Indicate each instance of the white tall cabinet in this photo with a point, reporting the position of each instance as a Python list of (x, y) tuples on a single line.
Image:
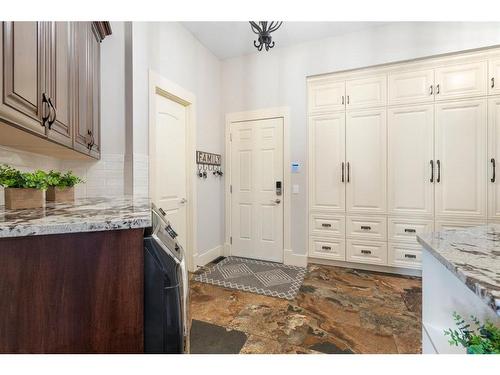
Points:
[(399, 150)]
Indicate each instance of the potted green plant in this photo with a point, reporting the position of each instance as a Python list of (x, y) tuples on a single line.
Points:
[(22, 189), (484, 338), (61, 187)]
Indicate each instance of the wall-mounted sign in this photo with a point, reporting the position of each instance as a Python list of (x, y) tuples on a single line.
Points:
[(208, 158)]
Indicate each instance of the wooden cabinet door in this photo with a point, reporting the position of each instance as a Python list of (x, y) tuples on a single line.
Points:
[(326, 95), (327, 162), (60, 82), (461, 80), (86, 98), (411, 87), (366, 92), (493, 158), (494, 76), (366, 161), (21, 79), (410, 135), (460, 153)]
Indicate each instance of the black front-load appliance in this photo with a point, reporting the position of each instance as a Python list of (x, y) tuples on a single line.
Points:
[(166, 326)]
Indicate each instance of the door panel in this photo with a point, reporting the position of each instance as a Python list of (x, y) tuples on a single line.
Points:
[(366, 161), (169, 163), (460, 149), (366, 92), (410, 151), (60, 82), (411, 87), (493, 153), (326, 96), (327, 150), (22, 74), (256, 209), (463, 80)]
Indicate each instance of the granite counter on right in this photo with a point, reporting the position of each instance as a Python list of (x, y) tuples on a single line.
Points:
[(460, 273)]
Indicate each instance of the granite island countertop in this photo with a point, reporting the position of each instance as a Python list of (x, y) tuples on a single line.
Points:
[(82, 215), (473, 255)]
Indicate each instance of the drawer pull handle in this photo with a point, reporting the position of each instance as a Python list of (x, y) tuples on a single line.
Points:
[(326, 247), (366, 251), (411, 256), (325, 225), (366, 227), (410, 230)]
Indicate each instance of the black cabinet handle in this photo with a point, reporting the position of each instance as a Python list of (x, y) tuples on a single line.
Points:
[(45, 104), (431, 90), (411, 256), (91, 143), (439, 171), (348, 172), (437, 89), (432, 170), (342, 99), (342, 178), (366, 227), (410, 230), (326, 247), (366, 252), (325, 225), (55, 113), (493, 163), (347, 99), (492, 82)]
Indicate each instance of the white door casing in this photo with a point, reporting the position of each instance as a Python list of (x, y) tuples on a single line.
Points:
[(460, 153), (327, 162), (410, 160), (366, 161), (256, 209)]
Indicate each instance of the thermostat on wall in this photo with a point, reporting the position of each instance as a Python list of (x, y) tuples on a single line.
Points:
[(295, 167)]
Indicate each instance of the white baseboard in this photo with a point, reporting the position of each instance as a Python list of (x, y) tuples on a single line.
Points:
[(292, 259), (201, 260), (367, 267)]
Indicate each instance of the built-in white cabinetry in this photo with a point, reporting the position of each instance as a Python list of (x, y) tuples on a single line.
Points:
[(460, 153), (366, 161), (400, 150), (411, 87)]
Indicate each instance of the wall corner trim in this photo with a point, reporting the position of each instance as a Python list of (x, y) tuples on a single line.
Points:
[(292, 259), (201, 260)]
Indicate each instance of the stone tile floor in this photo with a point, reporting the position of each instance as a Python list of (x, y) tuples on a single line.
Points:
[(338, 310)]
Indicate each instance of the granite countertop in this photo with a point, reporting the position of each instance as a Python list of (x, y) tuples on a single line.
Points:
[(473, 255), (82, 215)]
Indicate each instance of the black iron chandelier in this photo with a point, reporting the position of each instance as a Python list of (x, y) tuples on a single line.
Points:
[(264, 29)]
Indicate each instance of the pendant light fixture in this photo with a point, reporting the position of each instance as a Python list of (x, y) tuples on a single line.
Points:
[(264, 29)]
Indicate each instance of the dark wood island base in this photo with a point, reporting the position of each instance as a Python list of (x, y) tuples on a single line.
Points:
[(72, 293)]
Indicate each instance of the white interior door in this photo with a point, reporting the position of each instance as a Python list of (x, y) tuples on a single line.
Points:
[(168, 164), (256, 208), (366, 159), (327, 162), (410, 134), (461, 160)]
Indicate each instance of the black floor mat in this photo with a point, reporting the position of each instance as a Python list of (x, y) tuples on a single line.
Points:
[(207, 338)]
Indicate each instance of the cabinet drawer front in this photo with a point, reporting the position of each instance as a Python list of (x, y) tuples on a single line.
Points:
[(327, 248), (407, 230), (411, 87), (367, 227), (366, 252), (326, 95), (325, 225), (404, 255), (462, 80)]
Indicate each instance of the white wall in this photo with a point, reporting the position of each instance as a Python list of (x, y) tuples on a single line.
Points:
[(278, 78), (173, 52)]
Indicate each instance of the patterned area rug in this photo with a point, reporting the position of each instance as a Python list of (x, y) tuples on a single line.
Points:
[(256, 276)]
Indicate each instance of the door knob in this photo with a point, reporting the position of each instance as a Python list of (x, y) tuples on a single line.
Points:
[(183, 200), (277, 201)]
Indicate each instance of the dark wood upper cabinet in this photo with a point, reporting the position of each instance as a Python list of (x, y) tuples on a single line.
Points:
[(50, 84), (22, 71)]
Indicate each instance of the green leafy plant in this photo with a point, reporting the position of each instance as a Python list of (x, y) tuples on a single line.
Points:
[(481, 339), (14, 178), (58, 179)]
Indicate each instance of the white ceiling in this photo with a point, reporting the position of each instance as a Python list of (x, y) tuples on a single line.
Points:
[(231, 39)]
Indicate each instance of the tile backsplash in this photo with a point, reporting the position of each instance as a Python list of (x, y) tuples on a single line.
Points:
[(102, 177)]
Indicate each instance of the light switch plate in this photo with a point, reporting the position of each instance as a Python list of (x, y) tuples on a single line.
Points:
[(295, 189)]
